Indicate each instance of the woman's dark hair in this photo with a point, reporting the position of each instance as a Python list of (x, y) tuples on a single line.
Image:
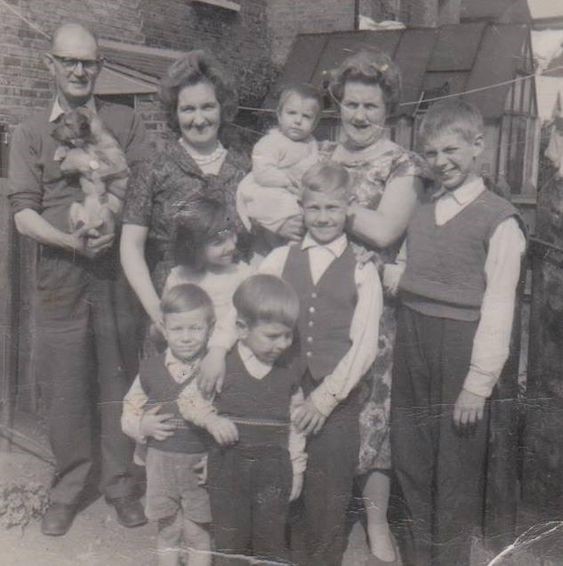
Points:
[(371, 67), (193, 68), (204, 221)]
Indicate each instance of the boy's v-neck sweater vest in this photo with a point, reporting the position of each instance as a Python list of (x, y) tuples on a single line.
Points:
[(445, 273), (326, 309), (259, 407), (162, 390)]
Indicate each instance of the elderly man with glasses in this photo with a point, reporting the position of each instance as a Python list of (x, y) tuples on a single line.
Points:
[(87, 319)]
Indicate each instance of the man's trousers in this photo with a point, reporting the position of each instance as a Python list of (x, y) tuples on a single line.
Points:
[(88, 328)]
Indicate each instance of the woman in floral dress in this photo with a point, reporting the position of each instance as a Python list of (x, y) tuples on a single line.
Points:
[(388, 183), (199, 98)]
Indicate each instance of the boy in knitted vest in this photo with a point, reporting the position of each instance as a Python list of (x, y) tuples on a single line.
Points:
[(256, 468), (175, 448), (464, 249), (341, 303)]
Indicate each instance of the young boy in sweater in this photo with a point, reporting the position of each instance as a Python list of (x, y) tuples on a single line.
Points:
[(257, 465), (338, 326), (464, 249), (175, 498)]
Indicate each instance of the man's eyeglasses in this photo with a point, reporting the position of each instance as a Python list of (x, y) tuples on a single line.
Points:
[(69, 63)]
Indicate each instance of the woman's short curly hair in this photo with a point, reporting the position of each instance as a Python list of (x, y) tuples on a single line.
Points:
[(193, 68), (372, 67)]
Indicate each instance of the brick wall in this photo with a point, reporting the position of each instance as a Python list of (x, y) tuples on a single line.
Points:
[(287, 18), (150, 110), (240, 40), (247, 42), (25, 83)]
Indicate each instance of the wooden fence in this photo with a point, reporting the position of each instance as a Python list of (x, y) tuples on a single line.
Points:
[(17, 277)]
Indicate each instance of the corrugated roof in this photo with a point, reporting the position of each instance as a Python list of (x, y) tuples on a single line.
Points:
[(114, 79), (456, 47), (150, 61), (412, 58), (304, 58), (341, 45), (466, 56), (499, 58)]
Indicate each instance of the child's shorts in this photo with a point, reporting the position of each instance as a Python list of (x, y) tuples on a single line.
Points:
[(172, 485)]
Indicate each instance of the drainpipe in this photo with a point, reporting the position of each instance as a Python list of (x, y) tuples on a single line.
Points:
[(356, 15)]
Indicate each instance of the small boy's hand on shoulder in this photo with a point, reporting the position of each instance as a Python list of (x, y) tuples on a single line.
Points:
[(223, 430), (296, 486), (156, 425), (468, 411), (307, 418)]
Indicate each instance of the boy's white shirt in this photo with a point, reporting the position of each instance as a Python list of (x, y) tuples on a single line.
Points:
[(502, 271), (364, 328), (198, 410)]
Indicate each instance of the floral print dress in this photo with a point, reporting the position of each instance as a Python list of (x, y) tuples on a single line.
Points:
[(167, 185), (372, 169)]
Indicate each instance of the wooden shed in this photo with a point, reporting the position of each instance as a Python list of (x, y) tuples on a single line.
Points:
[(490, 65)]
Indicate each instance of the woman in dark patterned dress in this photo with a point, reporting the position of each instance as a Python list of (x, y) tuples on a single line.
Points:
[(199, 98), (388, 182)]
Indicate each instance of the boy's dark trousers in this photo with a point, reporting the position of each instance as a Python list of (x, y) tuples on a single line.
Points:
[(87, 355), (249, 489), (319, 535), (440, 472)]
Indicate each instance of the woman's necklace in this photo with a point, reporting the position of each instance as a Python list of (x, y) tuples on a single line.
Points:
[(200, 159)]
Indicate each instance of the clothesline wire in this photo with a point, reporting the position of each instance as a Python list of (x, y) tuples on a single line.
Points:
[(433, 99)]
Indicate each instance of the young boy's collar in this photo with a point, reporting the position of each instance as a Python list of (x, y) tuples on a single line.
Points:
[(463, 194), (337, 246), (255, 367), (171, 360)]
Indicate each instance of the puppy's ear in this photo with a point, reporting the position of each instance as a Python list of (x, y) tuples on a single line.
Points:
[(57, 133)]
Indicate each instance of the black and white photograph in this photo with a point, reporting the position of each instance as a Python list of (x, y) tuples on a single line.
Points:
[(281, 282)]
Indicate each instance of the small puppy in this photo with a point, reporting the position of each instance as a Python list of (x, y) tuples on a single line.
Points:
[(90, 151)]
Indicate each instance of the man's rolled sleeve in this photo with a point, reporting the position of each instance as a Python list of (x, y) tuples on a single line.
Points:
[(25, 189)]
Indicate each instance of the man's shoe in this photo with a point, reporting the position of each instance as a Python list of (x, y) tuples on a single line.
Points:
[(57, 519), (129, 511)]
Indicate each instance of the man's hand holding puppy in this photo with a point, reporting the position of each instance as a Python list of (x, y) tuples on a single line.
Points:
[(88, 241)]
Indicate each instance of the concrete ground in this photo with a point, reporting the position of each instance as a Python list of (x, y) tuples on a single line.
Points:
[(96, 539)]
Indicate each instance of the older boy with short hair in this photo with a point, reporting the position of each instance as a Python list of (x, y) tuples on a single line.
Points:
[(338, 326), (458, 291)]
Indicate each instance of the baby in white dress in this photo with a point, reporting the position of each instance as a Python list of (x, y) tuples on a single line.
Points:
[(271, 192)]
